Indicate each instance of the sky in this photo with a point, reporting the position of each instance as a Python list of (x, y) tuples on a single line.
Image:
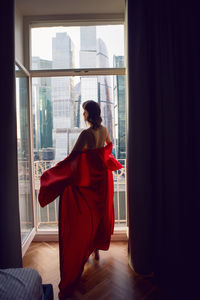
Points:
[(112, 35)]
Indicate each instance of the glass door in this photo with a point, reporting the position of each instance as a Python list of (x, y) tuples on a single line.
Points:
[(24, 157)]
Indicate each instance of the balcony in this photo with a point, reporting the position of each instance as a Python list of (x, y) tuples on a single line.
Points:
[(47, 217)]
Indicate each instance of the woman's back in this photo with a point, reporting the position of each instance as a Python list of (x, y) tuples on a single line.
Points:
[(96, 137), (92, 139)]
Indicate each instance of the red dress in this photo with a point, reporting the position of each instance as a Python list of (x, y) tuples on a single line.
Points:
[(84, 182)]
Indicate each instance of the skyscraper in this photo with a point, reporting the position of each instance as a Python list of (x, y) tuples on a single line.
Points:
[(88, 53), (119, 106), (62, 94), (42, 106), (104, 88), (94, 54), (77, 103), (88, 47)]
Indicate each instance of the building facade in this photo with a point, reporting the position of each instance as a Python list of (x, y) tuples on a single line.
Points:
[(62, 94), (120, 109), (42, 108), (94, 54)]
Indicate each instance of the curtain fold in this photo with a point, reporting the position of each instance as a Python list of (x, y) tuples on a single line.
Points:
[(163, 136)]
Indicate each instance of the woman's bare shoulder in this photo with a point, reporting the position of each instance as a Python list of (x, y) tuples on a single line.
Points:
[(87, 132), (84, 132), (81, 141), (104, 129)]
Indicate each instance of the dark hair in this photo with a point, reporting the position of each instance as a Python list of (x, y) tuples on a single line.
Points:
[(94, 113)]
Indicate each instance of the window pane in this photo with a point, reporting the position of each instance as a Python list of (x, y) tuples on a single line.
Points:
[(24, 174), (58, 121), (77, 47)]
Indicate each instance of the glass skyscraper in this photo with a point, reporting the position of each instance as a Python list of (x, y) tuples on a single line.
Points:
[(119, 107), (62, 94), (94, 54), (42, 107)]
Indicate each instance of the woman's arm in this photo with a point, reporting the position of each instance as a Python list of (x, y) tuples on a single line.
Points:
[(81, 141), (108, 139)]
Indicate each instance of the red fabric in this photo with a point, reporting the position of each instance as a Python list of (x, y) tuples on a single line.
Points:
[(84, 181)]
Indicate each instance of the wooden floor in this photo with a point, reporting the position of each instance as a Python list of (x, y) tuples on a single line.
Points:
[(110, 278)]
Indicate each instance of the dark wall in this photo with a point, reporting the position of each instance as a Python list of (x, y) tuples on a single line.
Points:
[(10, 240)]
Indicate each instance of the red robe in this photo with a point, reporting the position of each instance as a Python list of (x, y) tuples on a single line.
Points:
[(84, 182)]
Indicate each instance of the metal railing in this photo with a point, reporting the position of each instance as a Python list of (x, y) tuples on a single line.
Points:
[(47, 217)]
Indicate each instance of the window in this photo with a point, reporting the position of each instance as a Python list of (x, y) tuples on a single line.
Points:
[(67, 64)]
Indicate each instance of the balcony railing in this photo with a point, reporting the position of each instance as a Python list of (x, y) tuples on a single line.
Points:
[(47, 217)]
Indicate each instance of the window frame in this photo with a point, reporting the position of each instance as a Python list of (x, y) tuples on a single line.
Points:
[(67, 20)]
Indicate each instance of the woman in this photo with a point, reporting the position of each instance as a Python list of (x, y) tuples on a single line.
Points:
[(96, 135), (84, 183)]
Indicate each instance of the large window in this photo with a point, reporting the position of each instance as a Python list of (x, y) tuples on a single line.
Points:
[(57, 99)]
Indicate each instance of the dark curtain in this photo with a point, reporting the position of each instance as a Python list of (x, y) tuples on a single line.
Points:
[(164, 137), (10, 240)]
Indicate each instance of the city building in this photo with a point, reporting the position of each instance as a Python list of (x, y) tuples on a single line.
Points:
[(42, 107), (94, 54), (77, 104), (88, 54), (62, 94), (120, 109)]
